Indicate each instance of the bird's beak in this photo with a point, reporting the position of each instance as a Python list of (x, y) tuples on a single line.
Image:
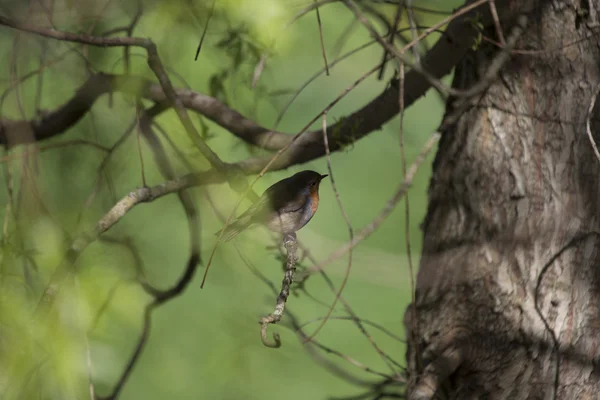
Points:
[(324, 176)]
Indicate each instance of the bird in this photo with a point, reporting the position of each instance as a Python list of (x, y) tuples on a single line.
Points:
[(285, 207)]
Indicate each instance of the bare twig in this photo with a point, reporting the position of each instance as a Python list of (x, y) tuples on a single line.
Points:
[(291, 247), (497, 25), (322, 41), (588, 125), (391, 38), (208, 18), (412, 23), (138, 109)]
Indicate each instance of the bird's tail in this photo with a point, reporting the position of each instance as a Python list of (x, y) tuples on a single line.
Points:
[(234, 229)]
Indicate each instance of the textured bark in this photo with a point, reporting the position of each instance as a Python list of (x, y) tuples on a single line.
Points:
[(509, 283)]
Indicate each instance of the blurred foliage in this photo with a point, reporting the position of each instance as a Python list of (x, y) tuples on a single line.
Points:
[(204, 344)]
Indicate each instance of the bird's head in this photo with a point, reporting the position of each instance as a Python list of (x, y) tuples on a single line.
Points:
[(308, 179)]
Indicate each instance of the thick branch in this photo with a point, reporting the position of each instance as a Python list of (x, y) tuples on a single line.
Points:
[(155, 65), (438, 62)]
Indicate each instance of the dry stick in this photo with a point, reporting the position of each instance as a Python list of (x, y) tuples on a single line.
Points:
[(412, 23), (139, 143), (210, 14), (291, 247), (497, 25), (309, 8), (391, 38), (350, 233), (274, 158), (588, 125), (322, 41)]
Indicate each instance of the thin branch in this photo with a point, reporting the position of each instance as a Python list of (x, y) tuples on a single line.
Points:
[(322, 41), (588, 125), (291, 247), (208, 18), (391, 38), (497, 25)]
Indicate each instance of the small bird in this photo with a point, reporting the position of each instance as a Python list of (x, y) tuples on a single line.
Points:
[(285, 207)]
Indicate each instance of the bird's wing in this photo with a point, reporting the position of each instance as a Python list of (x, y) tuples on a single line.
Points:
[(285, 198), (279, 198)]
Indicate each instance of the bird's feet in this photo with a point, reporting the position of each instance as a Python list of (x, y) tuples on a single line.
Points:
[(289, 237)]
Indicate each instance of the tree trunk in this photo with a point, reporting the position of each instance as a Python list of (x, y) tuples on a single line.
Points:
[(508, 291)]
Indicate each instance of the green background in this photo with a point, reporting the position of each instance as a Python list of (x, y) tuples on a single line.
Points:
[(205, 343)]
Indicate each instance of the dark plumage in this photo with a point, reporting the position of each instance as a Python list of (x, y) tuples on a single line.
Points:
[(285, 207)]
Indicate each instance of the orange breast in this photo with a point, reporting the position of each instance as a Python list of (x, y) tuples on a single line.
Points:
[(315, 201)]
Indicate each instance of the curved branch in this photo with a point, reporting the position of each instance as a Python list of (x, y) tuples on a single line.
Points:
[(438, 62)]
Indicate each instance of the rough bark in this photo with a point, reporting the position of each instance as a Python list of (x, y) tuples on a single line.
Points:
[(508, 288)]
